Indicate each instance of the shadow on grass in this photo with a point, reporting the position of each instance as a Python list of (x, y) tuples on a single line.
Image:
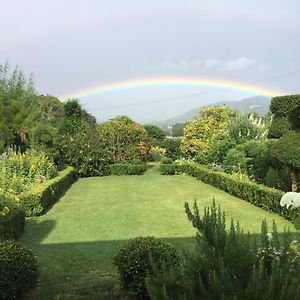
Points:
[(82, 270)]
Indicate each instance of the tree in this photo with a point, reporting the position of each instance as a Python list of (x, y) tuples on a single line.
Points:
[(178, 129), (200, 134), (155, 133), (287, 151), (124, 139), (285, 126)]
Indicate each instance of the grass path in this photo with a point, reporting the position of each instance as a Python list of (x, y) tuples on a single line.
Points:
[(77, 239)]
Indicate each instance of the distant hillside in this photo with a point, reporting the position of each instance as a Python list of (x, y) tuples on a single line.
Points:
[(258, 104)]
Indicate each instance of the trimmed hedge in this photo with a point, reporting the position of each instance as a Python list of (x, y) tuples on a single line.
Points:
[(128, 169), (42, 196), (12, 219), (257, 194)]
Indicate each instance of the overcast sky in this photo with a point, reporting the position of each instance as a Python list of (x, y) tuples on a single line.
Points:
[(71, 45)]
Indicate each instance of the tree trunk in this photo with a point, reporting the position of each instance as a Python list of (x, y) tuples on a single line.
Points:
[(294, 180)]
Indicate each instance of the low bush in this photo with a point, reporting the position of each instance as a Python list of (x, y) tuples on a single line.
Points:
[(128, 169), (12, 219), (167, 161), (257, 194), (18, 270), (40, 197), (136, 161), (167, 169), (137, 258)]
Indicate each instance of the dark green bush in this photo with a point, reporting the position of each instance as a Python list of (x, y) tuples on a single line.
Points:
[(136, 259), (167, 161), (42, 196), (18, 270), (227, 264), (279, 127), (136, 161), (12, 219), (172, 147), (167, 169), (257, 194), (272, 178), (128, 169), (136, 169)]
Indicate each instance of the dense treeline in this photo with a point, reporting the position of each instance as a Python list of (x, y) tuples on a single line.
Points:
[(265, 150)]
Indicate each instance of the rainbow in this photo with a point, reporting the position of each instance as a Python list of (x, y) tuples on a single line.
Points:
[(170, 81)]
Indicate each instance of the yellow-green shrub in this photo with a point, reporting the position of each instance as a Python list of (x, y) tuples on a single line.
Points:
[(19, 171)]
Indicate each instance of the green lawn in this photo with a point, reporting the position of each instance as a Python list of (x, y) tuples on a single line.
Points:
[(77, 239)]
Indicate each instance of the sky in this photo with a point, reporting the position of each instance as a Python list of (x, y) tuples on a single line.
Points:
[(71, 46)]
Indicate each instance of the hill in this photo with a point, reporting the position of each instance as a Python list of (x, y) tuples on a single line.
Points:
[(258, 104)]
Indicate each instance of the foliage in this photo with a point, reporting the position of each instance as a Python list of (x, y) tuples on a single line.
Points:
[(16, 99), (235, 161), (156, 153), (280, 126), (79, 144), (40, 197), (12, 219), (167, 161), (243, 128), (285, 105), (172, 148), (18, 270), (178, 129), (272, 178), (200, 134), (128, 169), (287, 149), (257, 194), (155, 133), (19, 171), (227, 264), (136, 259), (124, 139), (167, 169)]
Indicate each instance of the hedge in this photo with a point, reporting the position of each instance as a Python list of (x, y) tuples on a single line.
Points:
[(12, 219), (128, 169), (40, 197), (256, 194)]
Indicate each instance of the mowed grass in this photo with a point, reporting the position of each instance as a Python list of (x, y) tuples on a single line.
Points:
[(76, 240)]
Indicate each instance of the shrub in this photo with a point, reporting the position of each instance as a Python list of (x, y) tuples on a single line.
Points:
[(12, 219), (136, 259), (136, 161), (167, 169), (19, 171), (40, 197), (272, 178), (18, 270), (128, 169), (227, 264), (136, 169), (167, 161), (257, 194), (172, 148)]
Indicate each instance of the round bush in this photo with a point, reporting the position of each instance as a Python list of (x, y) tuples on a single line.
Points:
[(136, 161), (167, 161), (18, 270), (137, 257)]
